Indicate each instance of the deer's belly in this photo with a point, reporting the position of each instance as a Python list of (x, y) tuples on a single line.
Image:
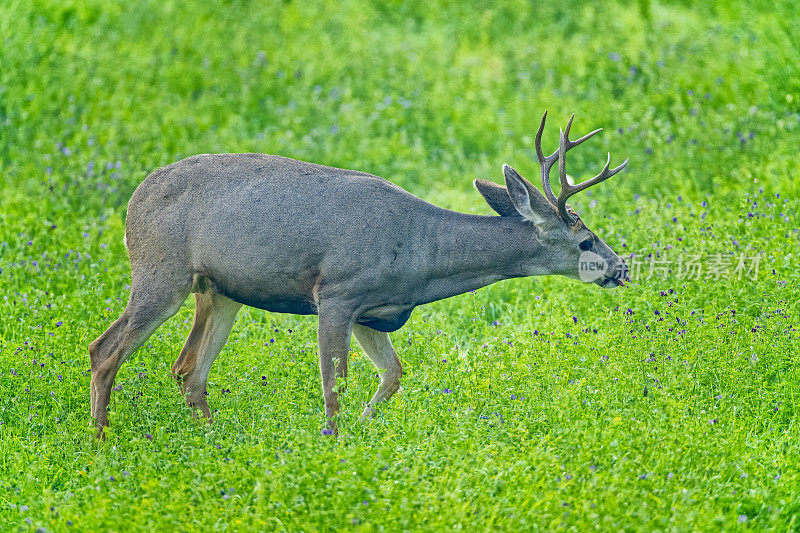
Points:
[(387, 319), (279, 305), (298, 305)]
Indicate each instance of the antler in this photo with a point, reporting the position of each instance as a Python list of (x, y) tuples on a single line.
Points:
[(568, 190), (546, 163), (560, 155)]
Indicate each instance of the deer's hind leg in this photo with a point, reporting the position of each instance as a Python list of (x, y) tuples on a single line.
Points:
[(333, 336), (378, 347), (213, 319), (151, 302)]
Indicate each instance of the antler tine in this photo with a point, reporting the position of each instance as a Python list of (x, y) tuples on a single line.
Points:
[(545, 163), (604, 175), (573, 144), (569, 125), (538, 141)]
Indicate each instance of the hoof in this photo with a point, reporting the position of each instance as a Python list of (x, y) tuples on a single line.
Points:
[(100, 434)]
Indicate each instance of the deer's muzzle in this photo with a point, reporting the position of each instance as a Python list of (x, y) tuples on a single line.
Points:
[(616, 276)]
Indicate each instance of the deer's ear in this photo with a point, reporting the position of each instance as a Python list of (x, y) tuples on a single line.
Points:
[(497, 197), (526, 198)]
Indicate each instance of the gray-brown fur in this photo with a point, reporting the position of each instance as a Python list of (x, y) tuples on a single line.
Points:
[(289, 236)]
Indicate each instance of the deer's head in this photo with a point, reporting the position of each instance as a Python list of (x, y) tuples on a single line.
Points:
[(570, 248)]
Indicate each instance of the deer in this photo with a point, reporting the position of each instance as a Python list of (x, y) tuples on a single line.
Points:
[(354, 249)]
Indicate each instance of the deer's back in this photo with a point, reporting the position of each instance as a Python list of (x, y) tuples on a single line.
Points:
[(267, 227)]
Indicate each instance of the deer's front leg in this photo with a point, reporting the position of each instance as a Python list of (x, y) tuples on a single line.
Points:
[(333, 336)]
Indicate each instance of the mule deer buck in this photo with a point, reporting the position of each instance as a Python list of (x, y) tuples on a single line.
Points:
[(352, 248)]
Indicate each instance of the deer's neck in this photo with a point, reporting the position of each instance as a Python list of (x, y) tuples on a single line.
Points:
[(469, 251)]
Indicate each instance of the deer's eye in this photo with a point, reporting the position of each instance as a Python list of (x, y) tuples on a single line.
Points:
[(586, 245)]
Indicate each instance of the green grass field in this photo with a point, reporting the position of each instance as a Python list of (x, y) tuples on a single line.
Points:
[(533, 404)]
